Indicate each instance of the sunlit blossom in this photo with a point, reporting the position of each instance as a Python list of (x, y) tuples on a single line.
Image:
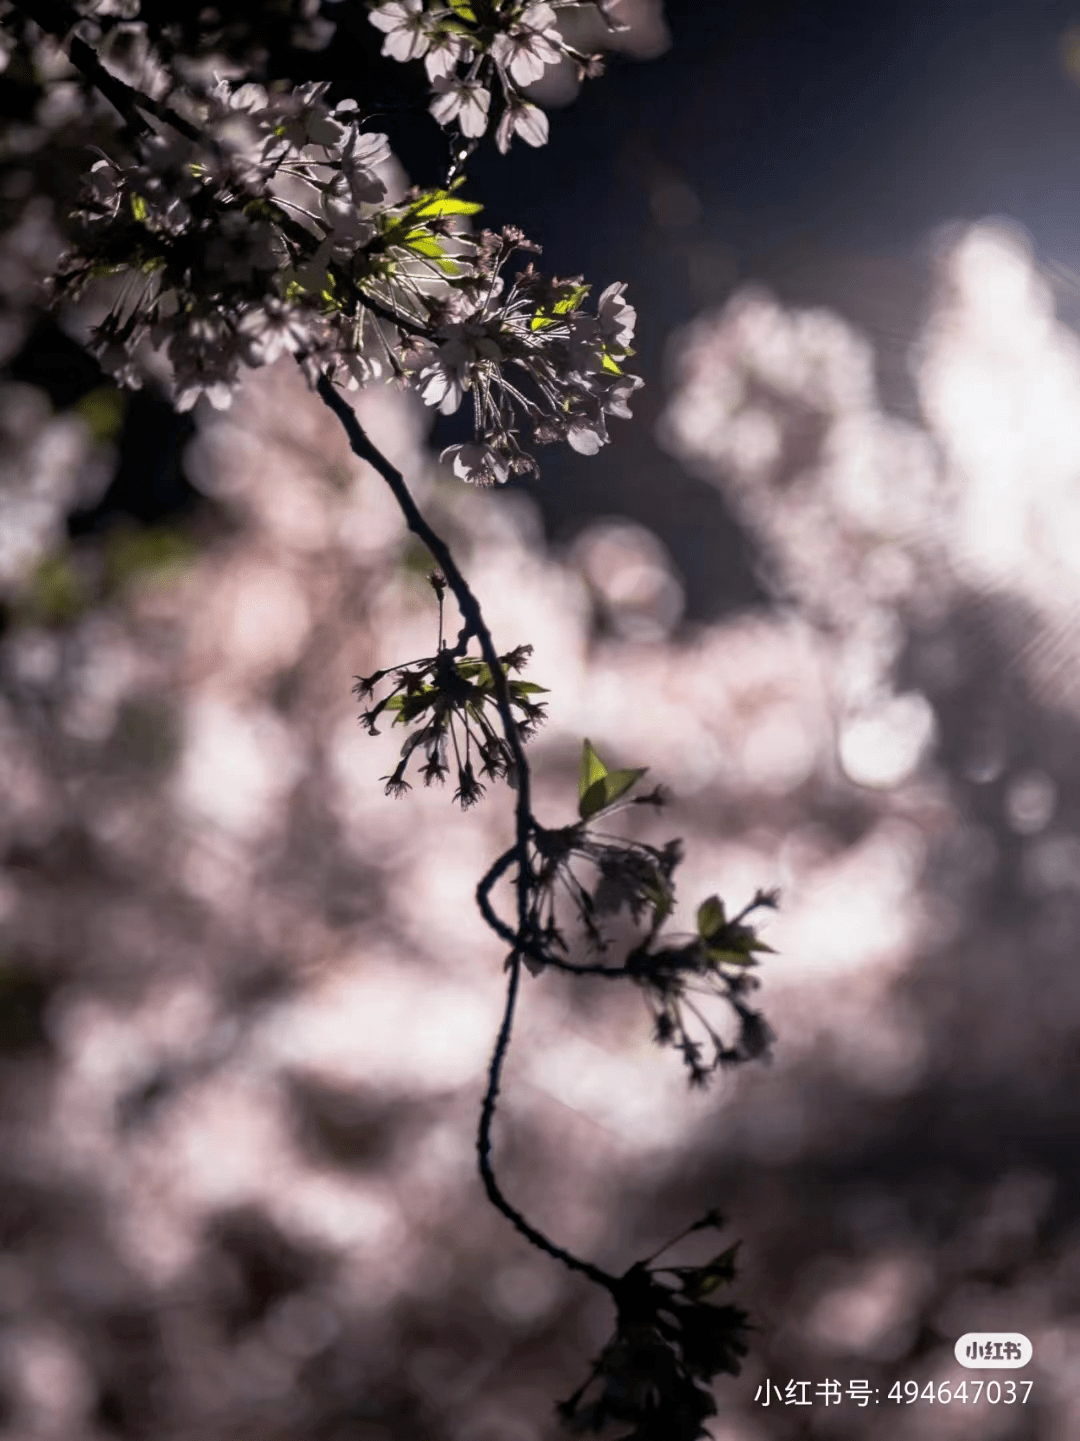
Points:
[(530, 47), (521, 118), (479, 464), (465, 101), (406, 28)]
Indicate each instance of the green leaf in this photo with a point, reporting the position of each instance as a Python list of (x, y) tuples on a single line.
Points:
[(138, 208), (711, 918), (609, 364), (477, 671), (421, 242), (593, 769), (606, 791), (701, 1281), (528, 687), (463, 9), (730, 958), (571, 301), (440, 202), (543, 318)]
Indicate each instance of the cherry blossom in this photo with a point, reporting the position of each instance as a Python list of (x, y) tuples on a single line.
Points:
[(530, 47), (463, 101), (521, 118), (406, 27)]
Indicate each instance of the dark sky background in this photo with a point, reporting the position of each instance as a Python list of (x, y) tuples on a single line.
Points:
[(826, 144)]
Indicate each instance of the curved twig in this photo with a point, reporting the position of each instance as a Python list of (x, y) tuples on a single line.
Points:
[(476, 626), (483, 1147)]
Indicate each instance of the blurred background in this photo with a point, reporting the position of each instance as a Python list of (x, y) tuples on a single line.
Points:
[(826, 585)]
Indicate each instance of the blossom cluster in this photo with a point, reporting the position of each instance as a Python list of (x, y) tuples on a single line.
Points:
[(470, 48), (223, 238), (268, 229), (528, 353)]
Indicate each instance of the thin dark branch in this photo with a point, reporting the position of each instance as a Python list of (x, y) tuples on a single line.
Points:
[(528, 948), (483, 898), (384, 312), (471, 614), (483, 1147), (59, 21), (476, 626), (611, 973)]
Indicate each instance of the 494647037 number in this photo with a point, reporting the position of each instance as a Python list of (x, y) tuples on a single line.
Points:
[(1007, 1393)]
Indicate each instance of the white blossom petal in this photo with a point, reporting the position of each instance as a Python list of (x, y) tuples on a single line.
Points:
[(465, 101), (406, 28), (521, 118), (587, 436), (477, 463), (525, 54), (445, 54), (617, 318)]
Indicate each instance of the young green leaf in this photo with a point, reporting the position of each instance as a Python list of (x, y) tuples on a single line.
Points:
[(606, 791), (421, 242), (711, 918), (572, 301), (701, 1281), (592, 769), (441, 203), (724, 957)]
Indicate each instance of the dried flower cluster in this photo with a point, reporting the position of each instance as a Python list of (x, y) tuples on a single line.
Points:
[(451, 701), (670, 1342)]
